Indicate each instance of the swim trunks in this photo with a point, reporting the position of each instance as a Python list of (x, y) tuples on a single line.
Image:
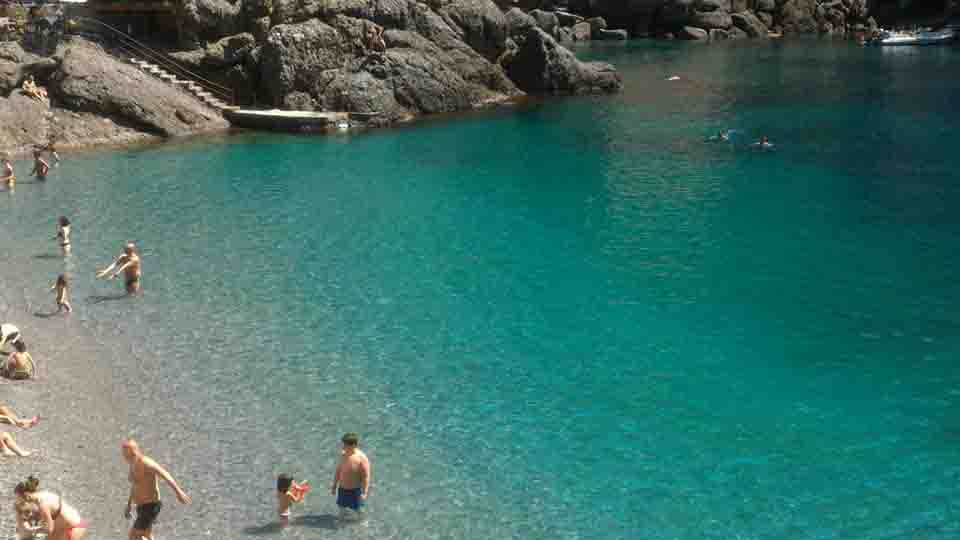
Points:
[(146, 515), (349, 498)]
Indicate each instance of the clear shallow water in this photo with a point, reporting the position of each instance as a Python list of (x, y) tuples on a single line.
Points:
[(570, 320)]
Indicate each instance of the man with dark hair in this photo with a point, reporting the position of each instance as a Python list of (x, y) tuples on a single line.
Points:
[(351, 480)]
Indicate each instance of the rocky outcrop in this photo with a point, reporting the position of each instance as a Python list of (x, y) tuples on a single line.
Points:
[(17, 64), (89, 80), (540, 65), (757, 18), (201, 20)]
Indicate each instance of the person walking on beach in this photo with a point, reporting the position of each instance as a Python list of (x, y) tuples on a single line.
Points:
[(351, 480), (63, 235), (145, 490), (62, 287), (60, 520), (129, 263)]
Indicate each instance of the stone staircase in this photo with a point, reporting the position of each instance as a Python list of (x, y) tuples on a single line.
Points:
[(198, 91)]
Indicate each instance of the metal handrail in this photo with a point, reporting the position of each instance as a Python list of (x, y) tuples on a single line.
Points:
[(128, 43)]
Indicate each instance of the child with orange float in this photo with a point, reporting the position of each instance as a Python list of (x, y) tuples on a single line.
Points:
[(288, 493)]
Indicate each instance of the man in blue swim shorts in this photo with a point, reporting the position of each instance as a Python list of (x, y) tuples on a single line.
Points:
[(351, 481)]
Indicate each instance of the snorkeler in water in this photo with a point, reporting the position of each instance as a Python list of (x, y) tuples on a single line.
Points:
[(721, 136)]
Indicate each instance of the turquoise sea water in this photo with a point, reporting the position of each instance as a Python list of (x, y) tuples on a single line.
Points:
[(571, 319)]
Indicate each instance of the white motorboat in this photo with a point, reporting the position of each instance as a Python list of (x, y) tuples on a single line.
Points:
[(921, 37)]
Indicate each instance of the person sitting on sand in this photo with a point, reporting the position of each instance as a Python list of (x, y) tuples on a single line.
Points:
[(60, 520), (288, 493), (129, 263), (7, 416), (9, 447), (9, 334), (6, 174), (19, 364), (62, 287), (40, 167), (63, 235)]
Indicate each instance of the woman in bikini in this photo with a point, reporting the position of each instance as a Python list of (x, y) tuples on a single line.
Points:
[(63, 235), (60, 520)]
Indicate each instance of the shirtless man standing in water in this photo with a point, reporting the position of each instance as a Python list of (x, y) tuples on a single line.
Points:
[(145, 491), (129, 263), (351, 481)]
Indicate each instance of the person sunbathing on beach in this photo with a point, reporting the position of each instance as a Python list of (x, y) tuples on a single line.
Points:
[(129, 263), (6, 175), (59, 520), (351, 480), (7, 416), (19, 364), (40, 166), (63, 235), (288, 493), (9, 447), (62, 287), (9, 334), (145, 490)]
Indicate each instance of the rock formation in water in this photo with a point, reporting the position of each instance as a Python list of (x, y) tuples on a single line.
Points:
[(400, 58)]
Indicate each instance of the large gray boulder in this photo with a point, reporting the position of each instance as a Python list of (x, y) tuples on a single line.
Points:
[(17, 64), (749, 23), (711, 19), (481, 25), (769, 6), (206, 20), (90, 80), (799, 17), (542, 66), (546, 20), (518, 22), (227, 52), (296, 55)]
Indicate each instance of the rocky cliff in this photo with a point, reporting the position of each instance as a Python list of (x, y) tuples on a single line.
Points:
[(400, 58), (93, 98)]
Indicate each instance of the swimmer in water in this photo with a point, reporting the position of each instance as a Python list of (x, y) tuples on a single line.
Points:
[(288, 493), (763, 144), (721, 136), (129, 263), (40, 166), (63, 235), (62, 287), (6, 175)]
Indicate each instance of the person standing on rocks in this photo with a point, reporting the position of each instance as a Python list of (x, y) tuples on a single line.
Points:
[(351, 480), (145, 490), (129, 263)]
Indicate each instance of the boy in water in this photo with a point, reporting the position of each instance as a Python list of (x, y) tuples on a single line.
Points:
[(40, 166), (351, 480), (288, 493)]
